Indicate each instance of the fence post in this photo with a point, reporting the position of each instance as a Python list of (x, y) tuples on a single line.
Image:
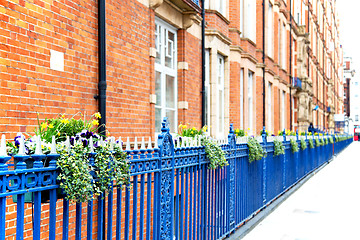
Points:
[(231, 154), (166, 190), (4, 157), (264, 138), (284, 161)]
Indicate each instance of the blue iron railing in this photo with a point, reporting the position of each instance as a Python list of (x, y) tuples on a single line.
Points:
[(173, 193)]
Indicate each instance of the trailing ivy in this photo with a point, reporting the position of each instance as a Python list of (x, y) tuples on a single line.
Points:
[(256, 151), (303, 144), (326, 141), (75, 177), (311, 143), (109, 167), (317, 142), (214, 153), (322, 142), (331, 140), (294, 146), (278, 148)]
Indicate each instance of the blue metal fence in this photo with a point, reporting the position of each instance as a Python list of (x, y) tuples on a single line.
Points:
[(173, 193)]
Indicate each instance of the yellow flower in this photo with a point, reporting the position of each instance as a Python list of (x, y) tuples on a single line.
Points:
[(95, 122), (184, 126), (97, 115), (58, 133), (205, 128), (43, 125), (63, 116), (194, 128), (51, 125), (192, 132), (64, 121)]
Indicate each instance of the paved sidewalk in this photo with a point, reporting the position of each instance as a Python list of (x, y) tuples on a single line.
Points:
[(326, 207)]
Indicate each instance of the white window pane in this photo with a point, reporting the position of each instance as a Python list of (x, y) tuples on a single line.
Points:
[(158, 43), (158, 88), (221, 110), (158, 119), (170, 91), (170, 114)]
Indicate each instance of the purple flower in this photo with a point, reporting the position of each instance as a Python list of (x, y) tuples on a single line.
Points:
[(84, 142)]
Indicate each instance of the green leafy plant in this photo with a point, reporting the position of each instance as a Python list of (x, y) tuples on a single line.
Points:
[(311, 143), (331, 140), (256, 151), (213, 150), (61, 127), (326, 140), (303, 144), (214, 153), (278, 148), (239, 132), (110, 166), (184, 131), (294, 145), (75, 173), (322, 142), (317, 142)]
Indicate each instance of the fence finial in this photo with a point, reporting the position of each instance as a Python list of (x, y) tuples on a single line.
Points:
[(3, 152), (128, 148), (22, 145), (143, 144), (178, 142), (263, 134), (165, 125), (38, 150), (91, 143), (136, 144), (149, 144), (67, 143), (231, 131), (120, 143)]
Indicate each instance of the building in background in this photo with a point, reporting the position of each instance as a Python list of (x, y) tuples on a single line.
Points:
[(351, 96), (272, 63)]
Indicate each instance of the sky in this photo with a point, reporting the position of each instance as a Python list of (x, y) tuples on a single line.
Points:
[(349, 25)]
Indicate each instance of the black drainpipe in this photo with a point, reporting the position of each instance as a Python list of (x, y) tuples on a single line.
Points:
[(102, 80), (203, 96), (102, 65), (263, 58), (290, 76)]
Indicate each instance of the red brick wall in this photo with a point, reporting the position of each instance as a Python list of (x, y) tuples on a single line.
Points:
[(189, 81)]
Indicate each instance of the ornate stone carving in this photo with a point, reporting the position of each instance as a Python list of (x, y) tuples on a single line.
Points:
[(155, 3)]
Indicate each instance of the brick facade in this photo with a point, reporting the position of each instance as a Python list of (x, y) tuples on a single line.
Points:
[(29, 30)]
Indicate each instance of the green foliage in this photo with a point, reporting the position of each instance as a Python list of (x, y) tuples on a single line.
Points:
[(213, 150), (184, 131), (239, 132), (303, 144), (75, 177), (75, 171), (311, 143), (256, 151), (278, 148), (322, 142), (317, 142), (61, 127), (294, 145), (214, 153), (109, 167), (331, 140), (326, 141)]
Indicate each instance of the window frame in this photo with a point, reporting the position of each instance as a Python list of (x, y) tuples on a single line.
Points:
[(164, 28)]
